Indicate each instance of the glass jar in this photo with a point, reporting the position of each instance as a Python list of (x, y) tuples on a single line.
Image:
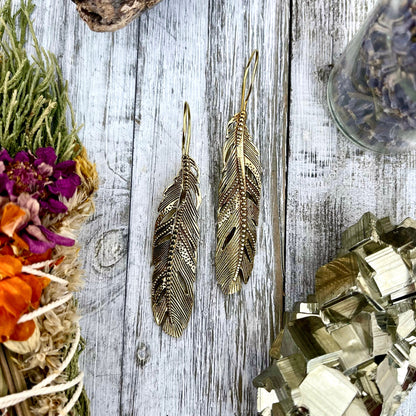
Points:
[(372, 89)]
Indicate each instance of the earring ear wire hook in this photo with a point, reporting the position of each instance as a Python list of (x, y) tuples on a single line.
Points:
[(186, 136), (244, 98)]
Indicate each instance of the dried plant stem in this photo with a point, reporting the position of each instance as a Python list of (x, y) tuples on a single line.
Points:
[(14, 379)]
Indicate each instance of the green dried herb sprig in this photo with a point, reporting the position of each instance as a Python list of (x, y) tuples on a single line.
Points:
[(33, 95)]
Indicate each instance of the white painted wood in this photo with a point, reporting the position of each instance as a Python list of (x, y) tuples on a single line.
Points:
[(128, 90), (101, 72), (331, 182), (200, 57)]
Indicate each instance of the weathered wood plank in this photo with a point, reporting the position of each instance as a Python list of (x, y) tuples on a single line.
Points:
[(197, 51), (331, 183), (101, 70)]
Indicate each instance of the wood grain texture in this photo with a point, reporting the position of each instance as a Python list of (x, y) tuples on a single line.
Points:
[(331, 182), (200, 57), (128, 89), (102, 79)]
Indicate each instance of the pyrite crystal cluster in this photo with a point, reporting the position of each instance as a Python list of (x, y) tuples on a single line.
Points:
[(350, 350)]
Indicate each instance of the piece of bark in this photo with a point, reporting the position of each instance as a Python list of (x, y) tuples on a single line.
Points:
[(111, 15)]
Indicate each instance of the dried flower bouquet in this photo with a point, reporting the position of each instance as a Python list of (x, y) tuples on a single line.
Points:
[(46, 185)]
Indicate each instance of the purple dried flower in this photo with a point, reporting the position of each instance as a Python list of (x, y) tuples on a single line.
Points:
[(40, 186), (45, 155), (40, 239), (40, 177)]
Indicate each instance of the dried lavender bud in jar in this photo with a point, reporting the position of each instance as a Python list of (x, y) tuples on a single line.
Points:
[(372, 90)]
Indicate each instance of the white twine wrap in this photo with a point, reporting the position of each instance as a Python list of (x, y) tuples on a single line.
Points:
[(44, 387), (13, 399), (44, 309), (42, 264), (35, 272)]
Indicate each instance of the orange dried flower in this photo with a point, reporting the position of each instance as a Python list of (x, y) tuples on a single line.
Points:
[(19, 293), (12, 219), (9, 266)]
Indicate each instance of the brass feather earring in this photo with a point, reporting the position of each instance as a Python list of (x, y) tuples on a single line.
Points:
[(239, 198), (175, 244)]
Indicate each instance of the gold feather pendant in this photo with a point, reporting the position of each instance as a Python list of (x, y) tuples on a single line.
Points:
[(175, 244), (239, 199)]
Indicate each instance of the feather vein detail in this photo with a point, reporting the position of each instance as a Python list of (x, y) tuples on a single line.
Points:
[(238, 212), (175, 251)]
